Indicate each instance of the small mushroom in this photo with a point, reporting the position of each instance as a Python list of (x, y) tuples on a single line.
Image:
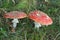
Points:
[(40, 18), (15, 15)]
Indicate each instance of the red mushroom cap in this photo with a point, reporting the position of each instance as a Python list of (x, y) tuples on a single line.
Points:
[(15, 14), (40, 17)]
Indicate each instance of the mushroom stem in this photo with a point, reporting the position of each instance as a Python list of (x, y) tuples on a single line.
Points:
[(37, 25), (15, 21)]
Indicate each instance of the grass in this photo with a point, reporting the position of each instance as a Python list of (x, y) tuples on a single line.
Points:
[(25, 29)]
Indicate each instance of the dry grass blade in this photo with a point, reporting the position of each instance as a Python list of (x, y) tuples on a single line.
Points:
[(56, 36)]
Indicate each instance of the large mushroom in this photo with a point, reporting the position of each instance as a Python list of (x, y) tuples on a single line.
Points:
[(40, 18), (15, 15)]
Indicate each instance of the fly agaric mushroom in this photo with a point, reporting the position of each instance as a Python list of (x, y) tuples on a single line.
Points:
[(15, 15), (40, 18)]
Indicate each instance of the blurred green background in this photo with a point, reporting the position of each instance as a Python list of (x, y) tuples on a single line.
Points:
[(25, 28)]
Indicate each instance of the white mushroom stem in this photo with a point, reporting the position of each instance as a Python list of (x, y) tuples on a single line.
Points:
[(37, 25), (15, 21)]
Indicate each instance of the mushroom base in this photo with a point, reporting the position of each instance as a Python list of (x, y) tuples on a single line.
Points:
[(37, 25), (15, 21)]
